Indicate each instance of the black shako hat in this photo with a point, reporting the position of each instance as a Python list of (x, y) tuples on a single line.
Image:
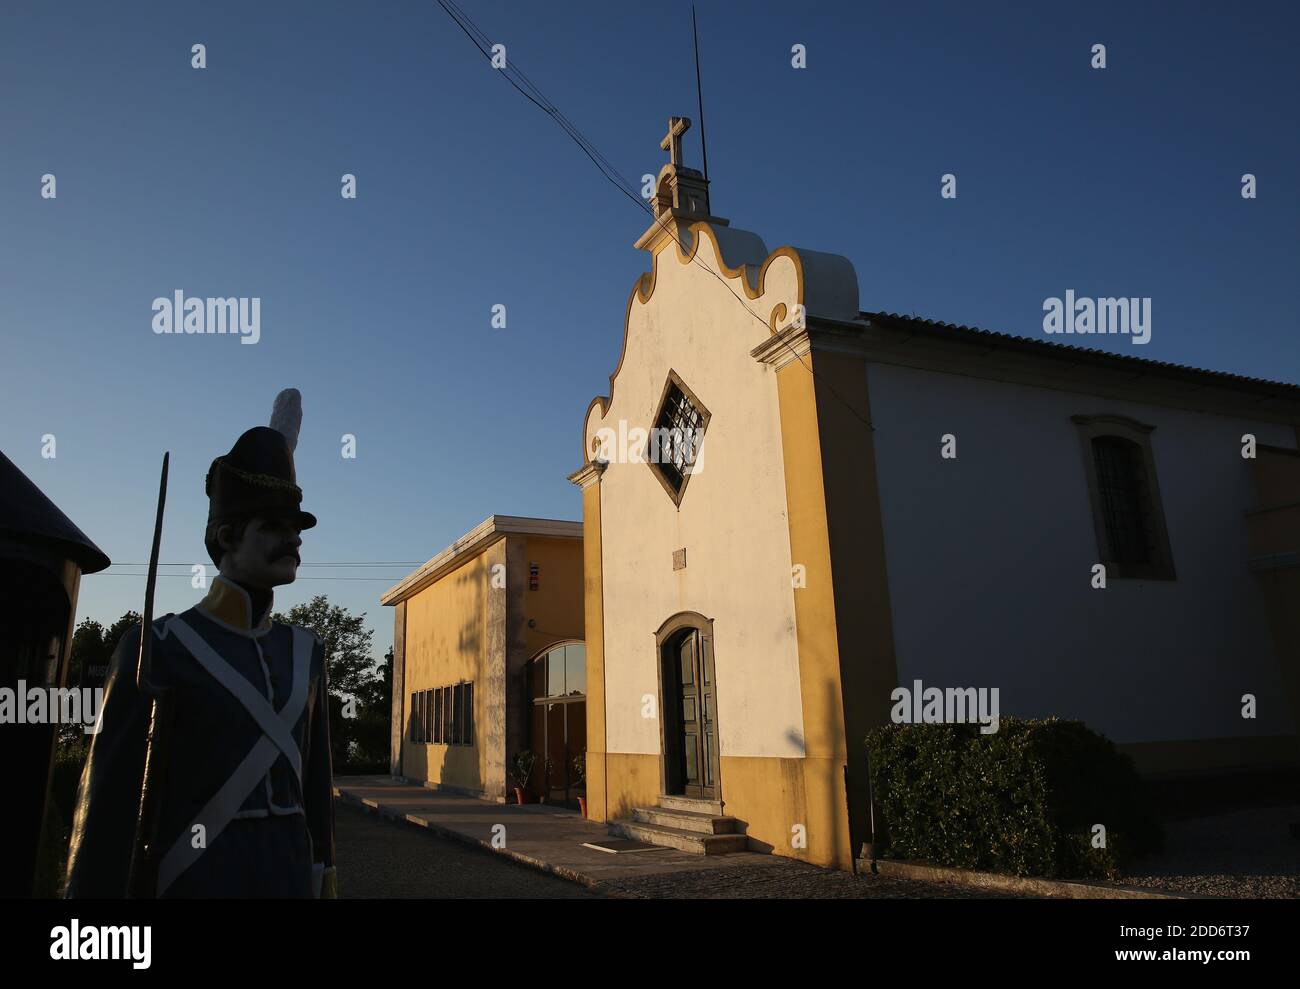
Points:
[(255, 478)]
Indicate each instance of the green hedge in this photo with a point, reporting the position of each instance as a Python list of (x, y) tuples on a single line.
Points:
[(1022, 800)]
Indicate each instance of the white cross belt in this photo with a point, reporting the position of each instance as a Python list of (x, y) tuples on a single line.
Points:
[(276, 740)]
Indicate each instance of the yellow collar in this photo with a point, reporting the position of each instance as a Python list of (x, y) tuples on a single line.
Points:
[(228, 604)]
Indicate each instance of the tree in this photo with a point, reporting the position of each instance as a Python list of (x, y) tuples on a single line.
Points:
[(92, 649), (348, 664), (87, 650), (373, 725)]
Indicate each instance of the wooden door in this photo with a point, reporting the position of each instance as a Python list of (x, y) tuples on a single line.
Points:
[(697, 744)]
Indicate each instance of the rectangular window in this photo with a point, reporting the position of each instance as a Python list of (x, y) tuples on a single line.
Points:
[(437, 715), (457, 713), (415, 718), (575, 668), (555, 673), (469, 714), (446, 715)]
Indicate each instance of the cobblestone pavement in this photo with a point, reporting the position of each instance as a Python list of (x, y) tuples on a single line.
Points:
[(382, 859), (786, 879)]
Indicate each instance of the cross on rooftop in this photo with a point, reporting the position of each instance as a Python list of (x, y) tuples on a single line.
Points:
[(672, 142)]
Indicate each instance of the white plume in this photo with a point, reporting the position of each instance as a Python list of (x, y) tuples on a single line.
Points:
[(286, 415)]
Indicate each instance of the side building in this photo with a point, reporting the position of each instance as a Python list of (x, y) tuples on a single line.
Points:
[(489, 662)]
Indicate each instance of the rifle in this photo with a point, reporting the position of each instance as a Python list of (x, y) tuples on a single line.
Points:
[(142, 882)]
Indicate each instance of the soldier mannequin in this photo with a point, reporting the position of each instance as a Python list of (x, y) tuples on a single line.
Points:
[(246, 800)]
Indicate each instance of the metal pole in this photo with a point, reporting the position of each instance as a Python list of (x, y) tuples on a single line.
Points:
[(699, 93), (142, 879)]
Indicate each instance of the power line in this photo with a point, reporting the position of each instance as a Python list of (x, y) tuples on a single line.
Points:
[(388, 563), (465, 23), (185, 576)]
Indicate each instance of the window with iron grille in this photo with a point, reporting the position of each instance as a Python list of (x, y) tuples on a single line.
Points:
[(1125, 501), (1132, 538), (676, 436)]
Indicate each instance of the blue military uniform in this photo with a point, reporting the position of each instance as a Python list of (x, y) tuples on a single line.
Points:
[(246, 806)]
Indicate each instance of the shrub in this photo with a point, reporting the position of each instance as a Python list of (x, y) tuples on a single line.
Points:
[(1022, 800), (65, 774)]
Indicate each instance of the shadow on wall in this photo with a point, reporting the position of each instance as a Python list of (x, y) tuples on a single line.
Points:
[(639, 786), (455, 766)]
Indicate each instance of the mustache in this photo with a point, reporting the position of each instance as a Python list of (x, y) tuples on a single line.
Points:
[(282, 551)]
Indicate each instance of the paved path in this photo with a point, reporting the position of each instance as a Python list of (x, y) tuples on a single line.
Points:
[(550, 839), (382, 859), (545, 837)]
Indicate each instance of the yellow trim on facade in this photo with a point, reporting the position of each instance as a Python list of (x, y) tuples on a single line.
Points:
[(791, 807), (594, 606), (818, 644), (632, 780), (644, 289)]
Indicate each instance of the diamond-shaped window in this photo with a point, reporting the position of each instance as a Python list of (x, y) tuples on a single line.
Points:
[(676, 436)]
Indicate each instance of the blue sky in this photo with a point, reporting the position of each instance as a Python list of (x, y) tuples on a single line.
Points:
[(225, 182)]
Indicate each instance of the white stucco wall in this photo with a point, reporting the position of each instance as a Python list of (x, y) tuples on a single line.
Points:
[(732, 520), (989, 559)]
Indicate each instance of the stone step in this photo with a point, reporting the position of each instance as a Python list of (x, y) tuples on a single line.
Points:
[(675, 801), (693, 842), (685, 820)]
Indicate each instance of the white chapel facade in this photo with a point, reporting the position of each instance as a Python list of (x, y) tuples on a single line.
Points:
[(749, 614)]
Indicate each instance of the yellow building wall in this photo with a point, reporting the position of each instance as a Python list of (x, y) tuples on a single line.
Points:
[(633, 780), (446, 633), (791, 807), (550, 615), (557, 605), (463, 628)]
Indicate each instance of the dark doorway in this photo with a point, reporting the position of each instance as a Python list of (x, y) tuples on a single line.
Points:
[(690, 715)]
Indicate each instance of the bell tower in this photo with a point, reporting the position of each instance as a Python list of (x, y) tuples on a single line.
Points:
[(681, 194)]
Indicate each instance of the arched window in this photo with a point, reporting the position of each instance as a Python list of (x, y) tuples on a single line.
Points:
[(1132, 540), (559, 673), (557, 722)]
